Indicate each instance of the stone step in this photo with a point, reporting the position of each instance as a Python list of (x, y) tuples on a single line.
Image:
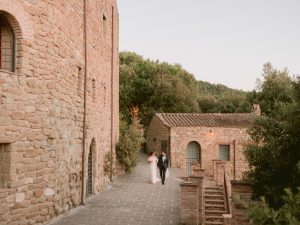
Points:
[(214, 201), (213, 192), (214, 212), (217, 197), (218, 218), (214, 207), (213, 223), (213, 187)]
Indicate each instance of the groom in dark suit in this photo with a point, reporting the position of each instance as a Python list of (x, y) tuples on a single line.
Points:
[(163, 166)]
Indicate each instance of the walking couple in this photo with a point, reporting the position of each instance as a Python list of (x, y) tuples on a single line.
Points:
[(162, 164)]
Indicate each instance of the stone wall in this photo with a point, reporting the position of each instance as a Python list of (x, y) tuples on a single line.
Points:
[(209, 139), (241, 195), (41, 105), (156, 133), (189, 194), (192, 200)]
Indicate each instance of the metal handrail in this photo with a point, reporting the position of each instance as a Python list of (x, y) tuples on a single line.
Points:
[(226, 193)]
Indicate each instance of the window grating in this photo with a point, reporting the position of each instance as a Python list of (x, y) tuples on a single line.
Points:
[(6, 46), (224, 152), (89, 188), (193, 154), (5, 165)]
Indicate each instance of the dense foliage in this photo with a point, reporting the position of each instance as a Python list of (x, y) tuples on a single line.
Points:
[(288, 214), (219, 98), (274, 157), (275, 92), (131, 140), (155, 86)]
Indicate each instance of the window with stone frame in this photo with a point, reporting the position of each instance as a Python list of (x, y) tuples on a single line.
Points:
[(104, 24), (7, 46), (224, 152), (94, 90), (79, 80), (5, 165)]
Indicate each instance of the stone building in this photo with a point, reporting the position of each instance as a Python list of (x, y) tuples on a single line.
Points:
[(204, 137), (58, 104)]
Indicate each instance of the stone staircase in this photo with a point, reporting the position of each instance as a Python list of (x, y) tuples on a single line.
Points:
[(214, 203)]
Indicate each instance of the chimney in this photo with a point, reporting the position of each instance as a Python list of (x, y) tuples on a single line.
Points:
[(256, 109)]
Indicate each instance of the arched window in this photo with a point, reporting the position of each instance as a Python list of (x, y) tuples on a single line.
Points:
[(7, 46), (193, 153)]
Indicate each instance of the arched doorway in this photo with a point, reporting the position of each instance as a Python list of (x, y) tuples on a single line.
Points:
[(192, 154), (90, 168)]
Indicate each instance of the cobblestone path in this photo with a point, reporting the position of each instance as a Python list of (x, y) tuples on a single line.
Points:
[(130, 200)]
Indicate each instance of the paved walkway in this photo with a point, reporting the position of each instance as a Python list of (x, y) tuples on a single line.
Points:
[(130, 200)]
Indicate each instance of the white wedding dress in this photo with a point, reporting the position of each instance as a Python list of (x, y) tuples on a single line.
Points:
[(167, 173), (153, 169)]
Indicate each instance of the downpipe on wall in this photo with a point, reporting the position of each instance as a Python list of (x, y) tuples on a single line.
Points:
[(84, 98)]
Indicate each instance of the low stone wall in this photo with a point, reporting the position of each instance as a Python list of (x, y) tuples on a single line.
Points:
[(192, 198), (241, 193), (189, 203)]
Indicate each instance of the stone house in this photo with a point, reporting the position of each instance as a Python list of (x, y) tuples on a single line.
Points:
[(59, 83), (203, 137)]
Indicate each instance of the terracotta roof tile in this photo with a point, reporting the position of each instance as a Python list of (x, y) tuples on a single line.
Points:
[(206, 119)]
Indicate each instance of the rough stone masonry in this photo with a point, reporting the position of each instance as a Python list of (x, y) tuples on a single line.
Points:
[(58, 99)]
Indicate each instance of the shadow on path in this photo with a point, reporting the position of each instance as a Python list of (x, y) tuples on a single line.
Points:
[(130, 200)]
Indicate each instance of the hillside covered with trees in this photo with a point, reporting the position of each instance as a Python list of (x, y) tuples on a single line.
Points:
[(154, 86)]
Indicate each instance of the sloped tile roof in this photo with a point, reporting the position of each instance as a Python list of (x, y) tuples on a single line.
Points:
[(207, 119)]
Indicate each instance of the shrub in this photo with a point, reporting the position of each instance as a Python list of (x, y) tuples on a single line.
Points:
[(129, 145), (288, 214)]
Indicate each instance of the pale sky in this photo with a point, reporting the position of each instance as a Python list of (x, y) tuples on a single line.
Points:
[(219, 41)]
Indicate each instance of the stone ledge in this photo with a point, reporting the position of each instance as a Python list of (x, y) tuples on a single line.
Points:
[(227, 216), (7, 140), (189, 184), (7, 74), (241, 183)]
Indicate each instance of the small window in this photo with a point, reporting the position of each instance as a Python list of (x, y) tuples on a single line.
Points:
[(7, 46), (5, 164), (104, 24), (224, 152), (94, 90), (79, 79)]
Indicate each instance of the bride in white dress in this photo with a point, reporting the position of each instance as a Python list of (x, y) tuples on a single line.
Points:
[(152, 161)]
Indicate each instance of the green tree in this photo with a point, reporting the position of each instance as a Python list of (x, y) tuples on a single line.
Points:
[(274, 156), (129, 145), (219, 98), (155, 86), (275, 92)]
